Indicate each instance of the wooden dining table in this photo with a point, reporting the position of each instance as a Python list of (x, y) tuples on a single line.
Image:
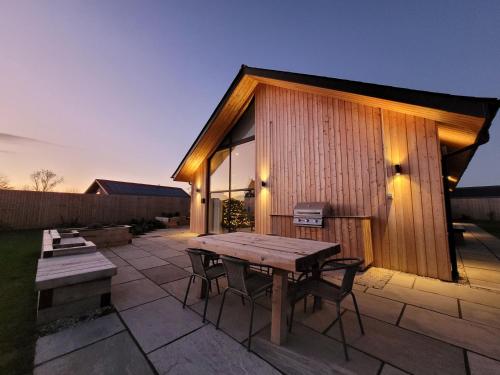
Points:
[(283, 254)]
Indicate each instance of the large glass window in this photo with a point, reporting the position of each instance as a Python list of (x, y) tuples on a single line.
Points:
[(232, 179)]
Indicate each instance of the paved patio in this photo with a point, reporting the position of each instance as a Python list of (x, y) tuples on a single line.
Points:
[(413, 324)]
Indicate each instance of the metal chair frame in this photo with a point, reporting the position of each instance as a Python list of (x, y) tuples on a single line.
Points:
[(200, 271), (242, 289), (344, 290)]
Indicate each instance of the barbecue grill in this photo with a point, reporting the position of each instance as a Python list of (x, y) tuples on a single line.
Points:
[(310, 214)]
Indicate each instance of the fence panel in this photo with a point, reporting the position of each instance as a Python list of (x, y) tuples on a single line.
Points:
[(487, 208), (31, 209)]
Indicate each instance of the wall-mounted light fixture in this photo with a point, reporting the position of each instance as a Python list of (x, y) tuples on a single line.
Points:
[(263, 183), (198, 190), (452, 179), (202, 200), (398, 169)]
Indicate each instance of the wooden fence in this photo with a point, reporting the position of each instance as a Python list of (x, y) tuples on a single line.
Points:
[(30, 209), (487, 208)]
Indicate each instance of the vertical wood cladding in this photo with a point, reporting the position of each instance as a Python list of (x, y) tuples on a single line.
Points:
[(318, 148)]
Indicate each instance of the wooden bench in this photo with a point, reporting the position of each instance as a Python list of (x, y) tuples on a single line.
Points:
[(53, 244), (72, 285)]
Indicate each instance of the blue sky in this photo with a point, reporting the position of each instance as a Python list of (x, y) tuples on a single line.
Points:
[(120, 89)]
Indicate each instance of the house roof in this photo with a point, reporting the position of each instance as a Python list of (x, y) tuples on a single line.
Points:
[(477, 192), (131, 188), (462, 117)]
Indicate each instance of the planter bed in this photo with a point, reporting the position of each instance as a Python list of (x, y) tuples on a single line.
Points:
[(107, 236)]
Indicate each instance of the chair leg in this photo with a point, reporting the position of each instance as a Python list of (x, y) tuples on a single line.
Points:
[(357, 313), (187, 291), (220, 308), (217, 283), (291, 318), (207, 293), (251, 325), (342, 331)]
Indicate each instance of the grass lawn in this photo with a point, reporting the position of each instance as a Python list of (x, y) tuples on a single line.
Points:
[(19, 251), (492, 227)]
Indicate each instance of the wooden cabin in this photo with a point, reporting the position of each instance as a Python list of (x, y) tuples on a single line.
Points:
[(384, 158)]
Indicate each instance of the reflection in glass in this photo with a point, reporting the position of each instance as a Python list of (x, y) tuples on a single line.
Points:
[(243, 166), (242, 211), (219, 171), (216, 209)]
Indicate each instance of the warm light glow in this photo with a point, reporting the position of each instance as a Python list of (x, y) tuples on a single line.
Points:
[(452, 179)]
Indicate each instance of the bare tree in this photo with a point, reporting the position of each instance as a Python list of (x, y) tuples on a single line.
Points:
[(45, 180), (4, 183)]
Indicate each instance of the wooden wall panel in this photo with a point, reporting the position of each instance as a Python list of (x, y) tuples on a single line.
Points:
[(319, 148), (198, 209), (487, 208)]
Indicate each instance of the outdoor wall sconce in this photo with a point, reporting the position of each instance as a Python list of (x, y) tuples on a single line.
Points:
[(398, 169), (263, 183), (198, 190), (202, 200)]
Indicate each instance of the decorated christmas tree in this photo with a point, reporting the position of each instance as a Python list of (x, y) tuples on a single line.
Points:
[(234, 214)]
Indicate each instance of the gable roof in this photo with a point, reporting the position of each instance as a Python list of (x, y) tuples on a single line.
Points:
[(477, 192), (469, 116), (131, 188)]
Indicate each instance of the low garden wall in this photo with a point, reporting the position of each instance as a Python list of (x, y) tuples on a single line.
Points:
[(31, 209)]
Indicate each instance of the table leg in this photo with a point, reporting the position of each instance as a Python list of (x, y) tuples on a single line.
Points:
[(280, 305)]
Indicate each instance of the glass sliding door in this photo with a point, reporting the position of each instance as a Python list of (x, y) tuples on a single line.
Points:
[(232, 179)]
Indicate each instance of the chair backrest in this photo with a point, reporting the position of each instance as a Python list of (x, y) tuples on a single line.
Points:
[(236, 270), (196, 257), (351, 266)]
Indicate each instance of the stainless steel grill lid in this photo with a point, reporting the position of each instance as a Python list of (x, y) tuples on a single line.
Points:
[(310, 214)]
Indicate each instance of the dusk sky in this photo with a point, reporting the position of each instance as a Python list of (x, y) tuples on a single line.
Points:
[(120, 89)]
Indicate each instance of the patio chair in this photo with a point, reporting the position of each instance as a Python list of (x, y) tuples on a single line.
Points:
[(245, 283), (203, 271), (330, 291)]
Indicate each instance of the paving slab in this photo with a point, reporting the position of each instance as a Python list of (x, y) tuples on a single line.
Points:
[(181, 261), (309, 352), (469, 335), (115, 355), (235, 318), (68, 340), (134, 293), (480, 261), (483, 274), (444, 304), (410, 351), (164, 253), (391, 370), (147, 262), (165, 274), (208, 351), (319, 320), (118, 262), (126, 274), (178, 289), (402, 279), (480, 365), (488, 285), (376, 307), (159, 322), (462, 292), (131, 252), (487, 315), (108, 253)]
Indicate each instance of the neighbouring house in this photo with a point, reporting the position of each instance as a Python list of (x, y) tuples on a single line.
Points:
[(384, 158), (109, 187), (476, 203)]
